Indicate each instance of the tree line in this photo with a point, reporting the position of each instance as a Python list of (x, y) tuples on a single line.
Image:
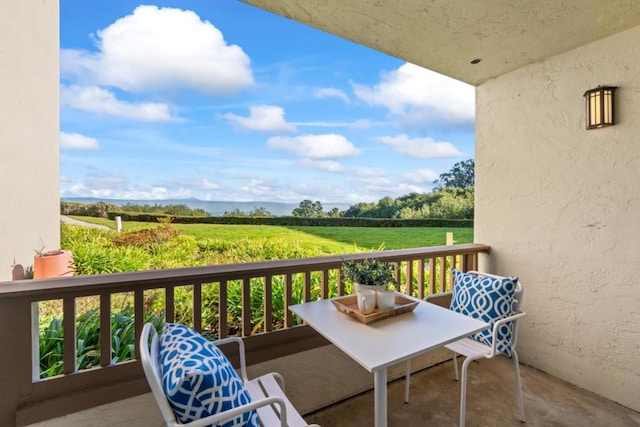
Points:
[(452, 198)]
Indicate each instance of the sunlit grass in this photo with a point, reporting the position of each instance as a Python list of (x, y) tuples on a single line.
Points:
[(330, 240)]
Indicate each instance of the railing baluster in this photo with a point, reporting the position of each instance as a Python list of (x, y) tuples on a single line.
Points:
[(288, 298), (169, 304), (138, 301), (105, 329), (325, 283), (35, 342), (340, 280), (268, 303), (421, 262), (69, 331), (307, 286), (246, 307), (409, 279), (432, 276), (197, 307), (222, 310), (443, 273)]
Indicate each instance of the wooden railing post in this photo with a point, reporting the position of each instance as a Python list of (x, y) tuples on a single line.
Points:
[(15, 369)]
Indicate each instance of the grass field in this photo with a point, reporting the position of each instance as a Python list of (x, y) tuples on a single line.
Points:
[(328, 239)]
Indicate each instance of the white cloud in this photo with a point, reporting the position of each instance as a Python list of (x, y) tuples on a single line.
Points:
[(257, 188), (365, 124), (323, 124), (330, 92), (101, 101), (161, 48), (208, 185), (97, 181), (326, 146), (416, 95), (155, 193), (75, 141), (324, 165), (372, 185), (266, 118), (421, 176), (361, 124), (421, 148)]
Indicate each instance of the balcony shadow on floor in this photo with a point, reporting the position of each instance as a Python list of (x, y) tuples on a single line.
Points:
[(491, 401)]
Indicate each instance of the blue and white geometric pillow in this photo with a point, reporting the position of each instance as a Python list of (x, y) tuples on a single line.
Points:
[(198, 379), (488, 299)]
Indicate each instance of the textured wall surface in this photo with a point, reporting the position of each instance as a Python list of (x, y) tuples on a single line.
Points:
[(29, 123), (445, 35), (560, 207)]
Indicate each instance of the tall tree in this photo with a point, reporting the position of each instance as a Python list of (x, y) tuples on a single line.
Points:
[(334, 213), (461, 175), (309, 209)]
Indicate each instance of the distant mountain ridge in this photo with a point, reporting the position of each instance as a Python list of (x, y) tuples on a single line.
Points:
[(212, 207)]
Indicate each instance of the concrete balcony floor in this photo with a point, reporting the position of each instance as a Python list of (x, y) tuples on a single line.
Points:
[(434, 401), (491, 401)]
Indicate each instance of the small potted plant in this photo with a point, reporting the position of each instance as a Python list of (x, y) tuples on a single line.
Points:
[(370, 273), (55, 263)]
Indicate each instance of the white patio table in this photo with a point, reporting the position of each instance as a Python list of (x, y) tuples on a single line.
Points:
[(378, 345)]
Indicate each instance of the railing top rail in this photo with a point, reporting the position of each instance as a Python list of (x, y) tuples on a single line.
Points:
[(37, 290)]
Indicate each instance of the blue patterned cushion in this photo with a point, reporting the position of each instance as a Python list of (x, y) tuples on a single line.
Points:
[(198, 379), (488, 299)]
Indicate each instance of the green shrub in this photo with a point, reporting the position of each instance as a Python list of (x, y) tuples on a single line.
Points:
[(88, 340), (296, 221)]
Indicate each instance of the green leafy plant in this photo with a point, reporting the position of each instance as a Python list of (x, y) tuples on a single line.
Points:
[(88, 340), (370, 272)]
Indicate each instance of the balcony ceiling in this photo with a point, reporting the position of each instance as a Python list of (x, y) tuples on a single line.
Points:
[(446, 35)]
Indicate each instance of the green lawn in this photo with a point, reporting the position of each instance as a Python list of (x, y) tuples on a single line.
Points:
[(328, 239), (390, 237)]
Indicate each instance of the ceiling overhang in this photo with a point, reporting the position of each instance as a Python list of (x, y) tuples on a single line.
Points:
[(447, 35)]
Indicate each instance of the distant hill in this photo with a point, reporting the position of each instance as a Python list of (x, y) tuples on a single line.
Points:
[(212, 207)]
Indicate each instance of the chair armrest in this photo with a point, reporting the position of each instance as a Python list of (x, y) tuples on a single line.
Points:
[(221, 417), (443, 299), (494, 333), (240, 343)]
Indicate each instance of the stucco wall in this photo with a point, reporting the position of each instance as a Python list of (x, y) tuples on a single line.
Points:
[(560, 207), (29, 123)]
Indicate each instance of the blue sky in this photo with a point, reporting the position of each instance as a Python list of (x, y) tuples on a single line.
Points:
[(219, 100)]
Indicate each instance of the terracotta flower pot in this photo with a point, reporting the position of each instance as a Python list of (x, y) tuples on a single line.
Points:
[(53, 264)]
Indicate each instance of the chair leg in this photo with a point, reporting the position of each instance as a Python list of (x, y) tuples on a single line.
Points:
[(516, 365), (455, 366), (463, 390), (407, 381)]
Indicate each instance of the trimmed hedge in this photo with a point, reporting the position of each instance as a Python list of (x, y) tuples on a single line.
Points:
[(295, 221)]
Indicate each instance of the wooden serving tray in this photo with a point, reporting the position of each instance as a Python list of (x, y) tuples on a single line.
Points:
[(349, 305)]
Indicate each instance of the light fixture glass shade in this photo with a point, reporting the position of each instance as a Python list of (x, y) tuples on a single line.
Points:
[(600, 107)]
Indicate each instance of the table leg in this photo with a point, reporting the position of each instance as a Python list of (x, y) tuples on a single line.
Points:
[(380, 400)]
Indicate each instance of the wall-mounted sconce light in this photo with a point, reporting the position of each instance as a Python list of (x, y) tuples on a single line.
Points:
[(600, 106)]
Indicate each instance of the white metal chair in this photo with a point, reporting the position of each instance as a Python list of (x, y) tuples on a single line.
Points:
[(267, 391), (474, 350)]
